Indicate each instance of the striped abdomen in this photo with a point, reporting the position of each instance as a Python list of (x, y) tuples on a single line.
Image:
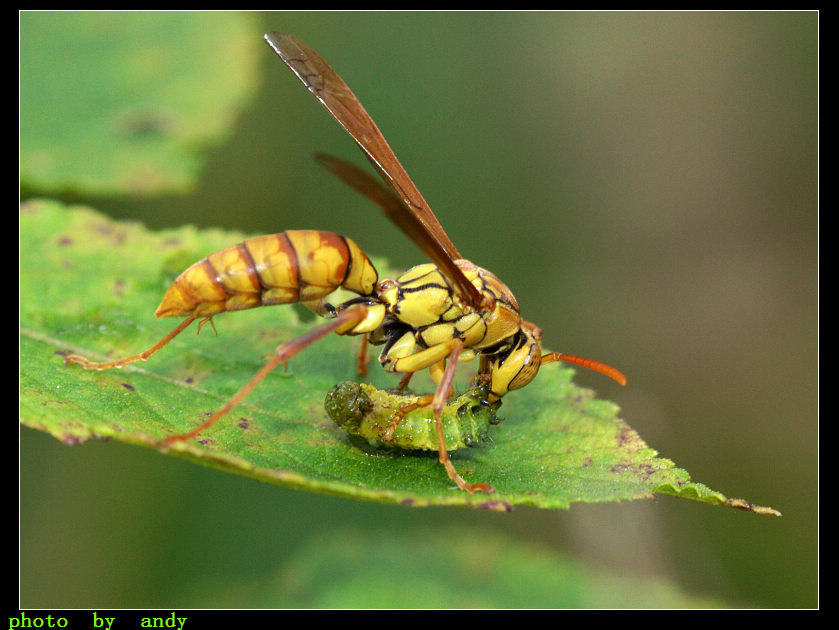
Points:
[(293, 266)]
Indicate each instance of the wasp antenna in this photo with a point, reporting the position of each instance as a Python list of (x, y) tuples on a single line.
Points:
[(591, 364)]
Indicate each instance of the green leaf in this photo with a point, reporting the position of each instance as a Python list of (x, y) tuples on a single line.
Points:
[(441, 568), (128, 102), (90, 286)]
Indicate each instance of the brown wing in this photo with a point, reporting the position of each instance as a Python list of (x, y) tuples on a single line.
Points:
[(405, 206), (408, 222)]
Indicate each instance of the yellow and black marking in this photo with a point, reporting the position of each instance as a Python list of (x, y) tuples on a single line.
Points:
[(292, 266)]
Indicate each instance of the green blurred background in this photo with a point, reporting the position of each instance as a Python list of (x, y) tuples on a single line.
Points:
[(646, 183)]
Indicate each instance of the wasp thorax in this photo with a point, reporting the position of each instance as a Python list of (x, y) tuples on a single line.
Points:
[(420, 297), (502, 318)]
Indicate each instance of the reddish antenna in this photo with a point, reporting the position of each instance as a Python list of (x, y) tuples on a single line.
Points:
[(591, 364)]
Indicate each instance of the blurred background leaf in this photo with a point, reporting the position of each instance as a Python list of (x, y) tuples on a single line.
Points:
[(660, 172), (437, 568), (166, 87)]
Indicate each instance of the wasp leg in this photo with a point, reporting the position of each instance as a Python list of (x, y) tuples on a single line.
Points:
[(346, 320), (437, 404), (204, 321), (92, 365), (403, 382), (396, 418), (437, 371), (363, 357), (434, 358)]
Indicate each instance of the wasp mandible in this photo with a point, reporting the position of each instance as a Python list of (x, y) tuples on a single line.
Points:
[(432, 316)]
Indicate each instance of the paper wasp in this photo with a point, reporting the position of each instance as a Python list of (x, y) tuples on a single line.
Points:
[(432, 316)]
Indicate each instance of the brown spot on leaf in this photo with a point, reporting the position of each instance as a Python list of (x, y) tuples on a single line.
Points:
[(113, 235), (72, 440), (144, 123), (495, 506), (629, 439), (642, 471)]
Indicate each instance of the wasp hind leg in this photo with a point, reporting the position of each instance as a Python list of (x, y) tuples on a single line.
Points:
[(345, 321), (104, 365)]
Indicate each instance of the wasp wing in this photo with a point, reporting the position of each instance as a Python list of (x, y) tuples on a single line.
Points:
[(405, 206), (408, 222)]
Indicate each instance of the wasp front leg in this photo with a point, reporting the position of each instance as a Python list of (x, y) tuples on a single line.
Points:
[(435, 359)]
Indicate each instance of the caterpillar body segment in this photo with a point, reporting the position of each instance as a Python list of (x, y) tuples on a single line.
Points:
[(364, 411)]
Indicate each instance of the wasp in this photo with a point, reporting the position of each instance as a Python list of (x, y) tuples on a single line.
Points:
[(433, 316)]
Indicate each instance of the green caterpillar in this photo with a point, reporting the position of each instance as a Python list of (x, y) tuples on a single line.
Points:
[(365, 411)]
